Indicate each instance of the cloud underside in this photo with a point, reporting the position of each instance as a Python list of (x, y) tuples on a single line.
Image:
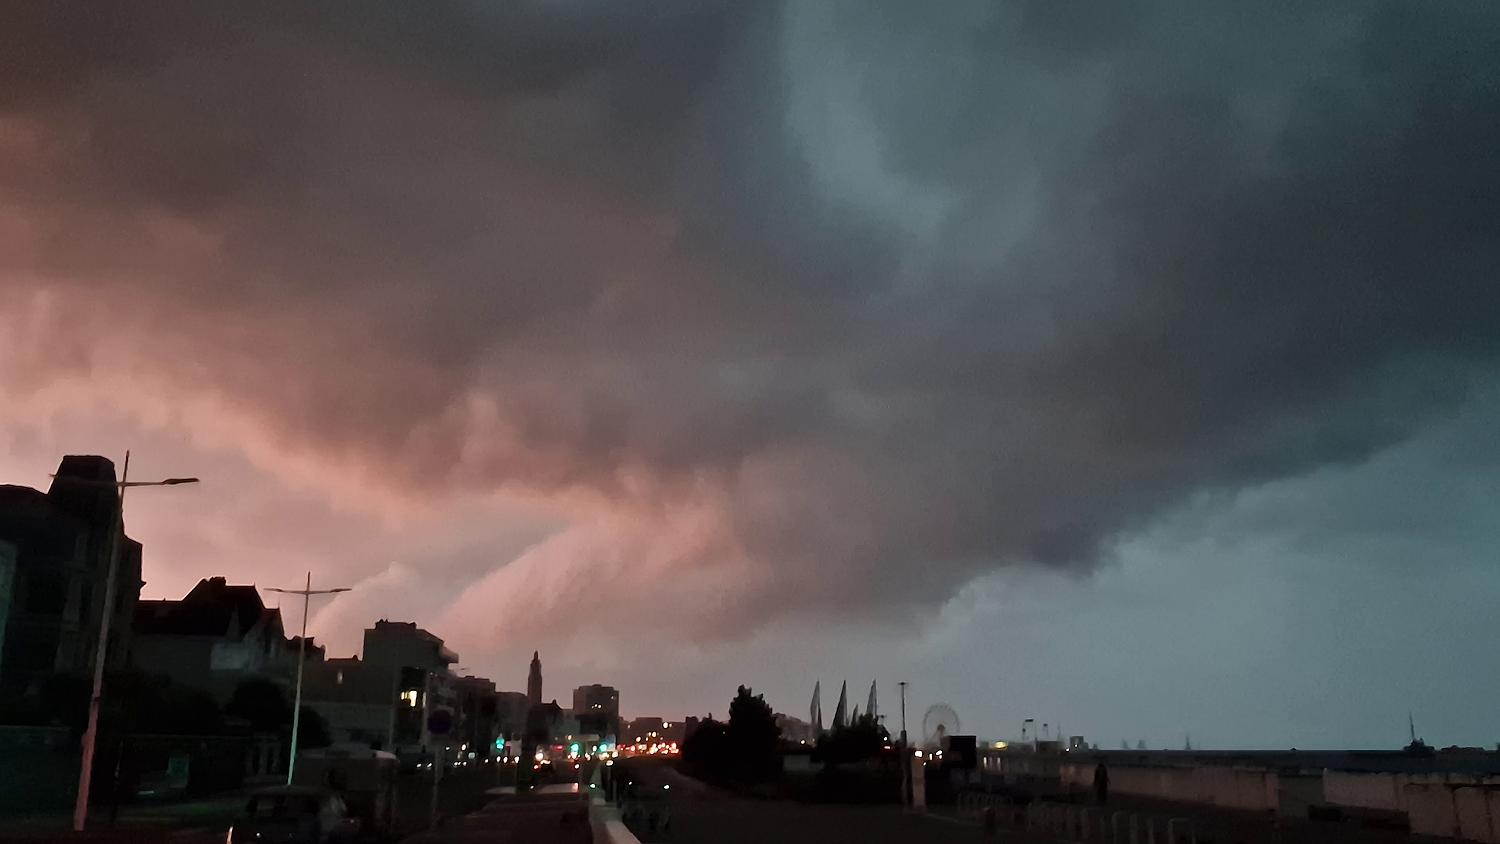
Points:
[(821, 307)]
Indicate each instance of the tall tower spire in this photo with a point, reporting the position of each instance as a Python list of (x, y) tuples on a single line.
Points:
[(815, 709), (534, 680)]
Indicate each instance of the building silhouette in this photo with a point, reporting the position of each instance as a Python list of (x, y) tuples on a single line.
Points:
[(53, 572), (597, 709), (534, 680), (383, 698), (217, 637)]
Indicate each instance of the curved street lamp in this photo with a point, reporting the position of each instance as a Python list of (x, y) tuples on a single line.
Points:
[(306, 593), (91, 732)]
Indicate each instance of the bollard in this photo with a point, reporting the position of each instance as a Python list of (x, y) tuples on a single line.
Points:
[(1117, 828), (1070, 817), (990, 827), (1180, 831), (1135, 829), (1150, 829)]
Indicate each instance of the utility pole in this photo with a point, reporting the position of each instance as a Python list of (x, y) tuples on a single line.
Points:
[(905, 754), (306, 593), (106, 615)]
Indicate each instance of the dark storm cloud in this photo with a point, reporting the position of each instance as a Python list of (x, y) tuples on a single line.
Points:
[(921, 290)]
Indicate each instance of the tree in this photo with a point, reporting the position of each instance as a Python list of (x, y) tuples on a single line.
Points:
[(151, 704), (313, 730), (752, 737), (744, 749), (856, 742), (262, 703), (65, 700), (706, 750)]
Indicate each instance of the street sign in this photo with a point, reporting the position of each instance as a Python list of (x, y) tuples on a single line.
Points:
[(440, 722)]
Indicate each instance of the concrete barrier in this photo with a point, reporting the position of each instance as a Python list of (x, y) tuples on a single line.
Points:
[(604, 819), (1440, 804), (1090, 823), (1251, 789)]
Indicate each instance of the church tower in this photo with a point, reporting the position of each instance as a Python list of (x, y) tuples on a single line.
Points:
[(534, 680)]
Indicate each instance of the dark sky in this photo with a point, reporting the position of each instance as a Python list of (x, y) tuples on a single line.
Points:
[(1130, 366)]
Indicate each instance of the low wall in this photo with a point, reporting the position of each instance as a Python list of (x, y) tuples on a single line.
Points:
[(1212, 785), (1455, 811), (1447, 805), (607, 826)]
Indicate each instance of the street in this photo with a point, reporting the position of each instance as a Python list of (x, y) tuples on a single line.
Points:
[(699, 815)]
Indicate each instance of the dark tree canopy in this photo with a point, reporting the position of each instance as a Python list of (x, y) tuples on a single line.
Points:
[(706, 750), (313, 731), (744, 749), (262, 703), (861, 740)]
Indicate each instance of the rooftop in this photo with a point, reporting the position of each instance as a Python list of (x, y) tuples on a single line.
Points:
[(212, 608)]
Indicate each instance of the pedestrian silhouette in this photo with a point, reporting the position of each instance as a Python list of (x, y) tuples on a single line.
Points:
[(1101, 783)]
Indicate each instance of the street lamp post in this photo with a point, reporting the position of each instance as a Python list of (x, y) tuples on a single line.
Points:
[(117, 527), (905, 754), (306, 593)]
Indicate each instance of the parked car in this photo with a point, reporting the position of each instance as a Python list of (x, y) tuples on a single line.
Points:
[(294, 815)]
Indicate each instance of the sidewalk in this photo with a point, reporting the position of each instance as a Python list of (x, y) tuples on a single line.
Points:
[(537, 818), (185, 822), (1215, 824)]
